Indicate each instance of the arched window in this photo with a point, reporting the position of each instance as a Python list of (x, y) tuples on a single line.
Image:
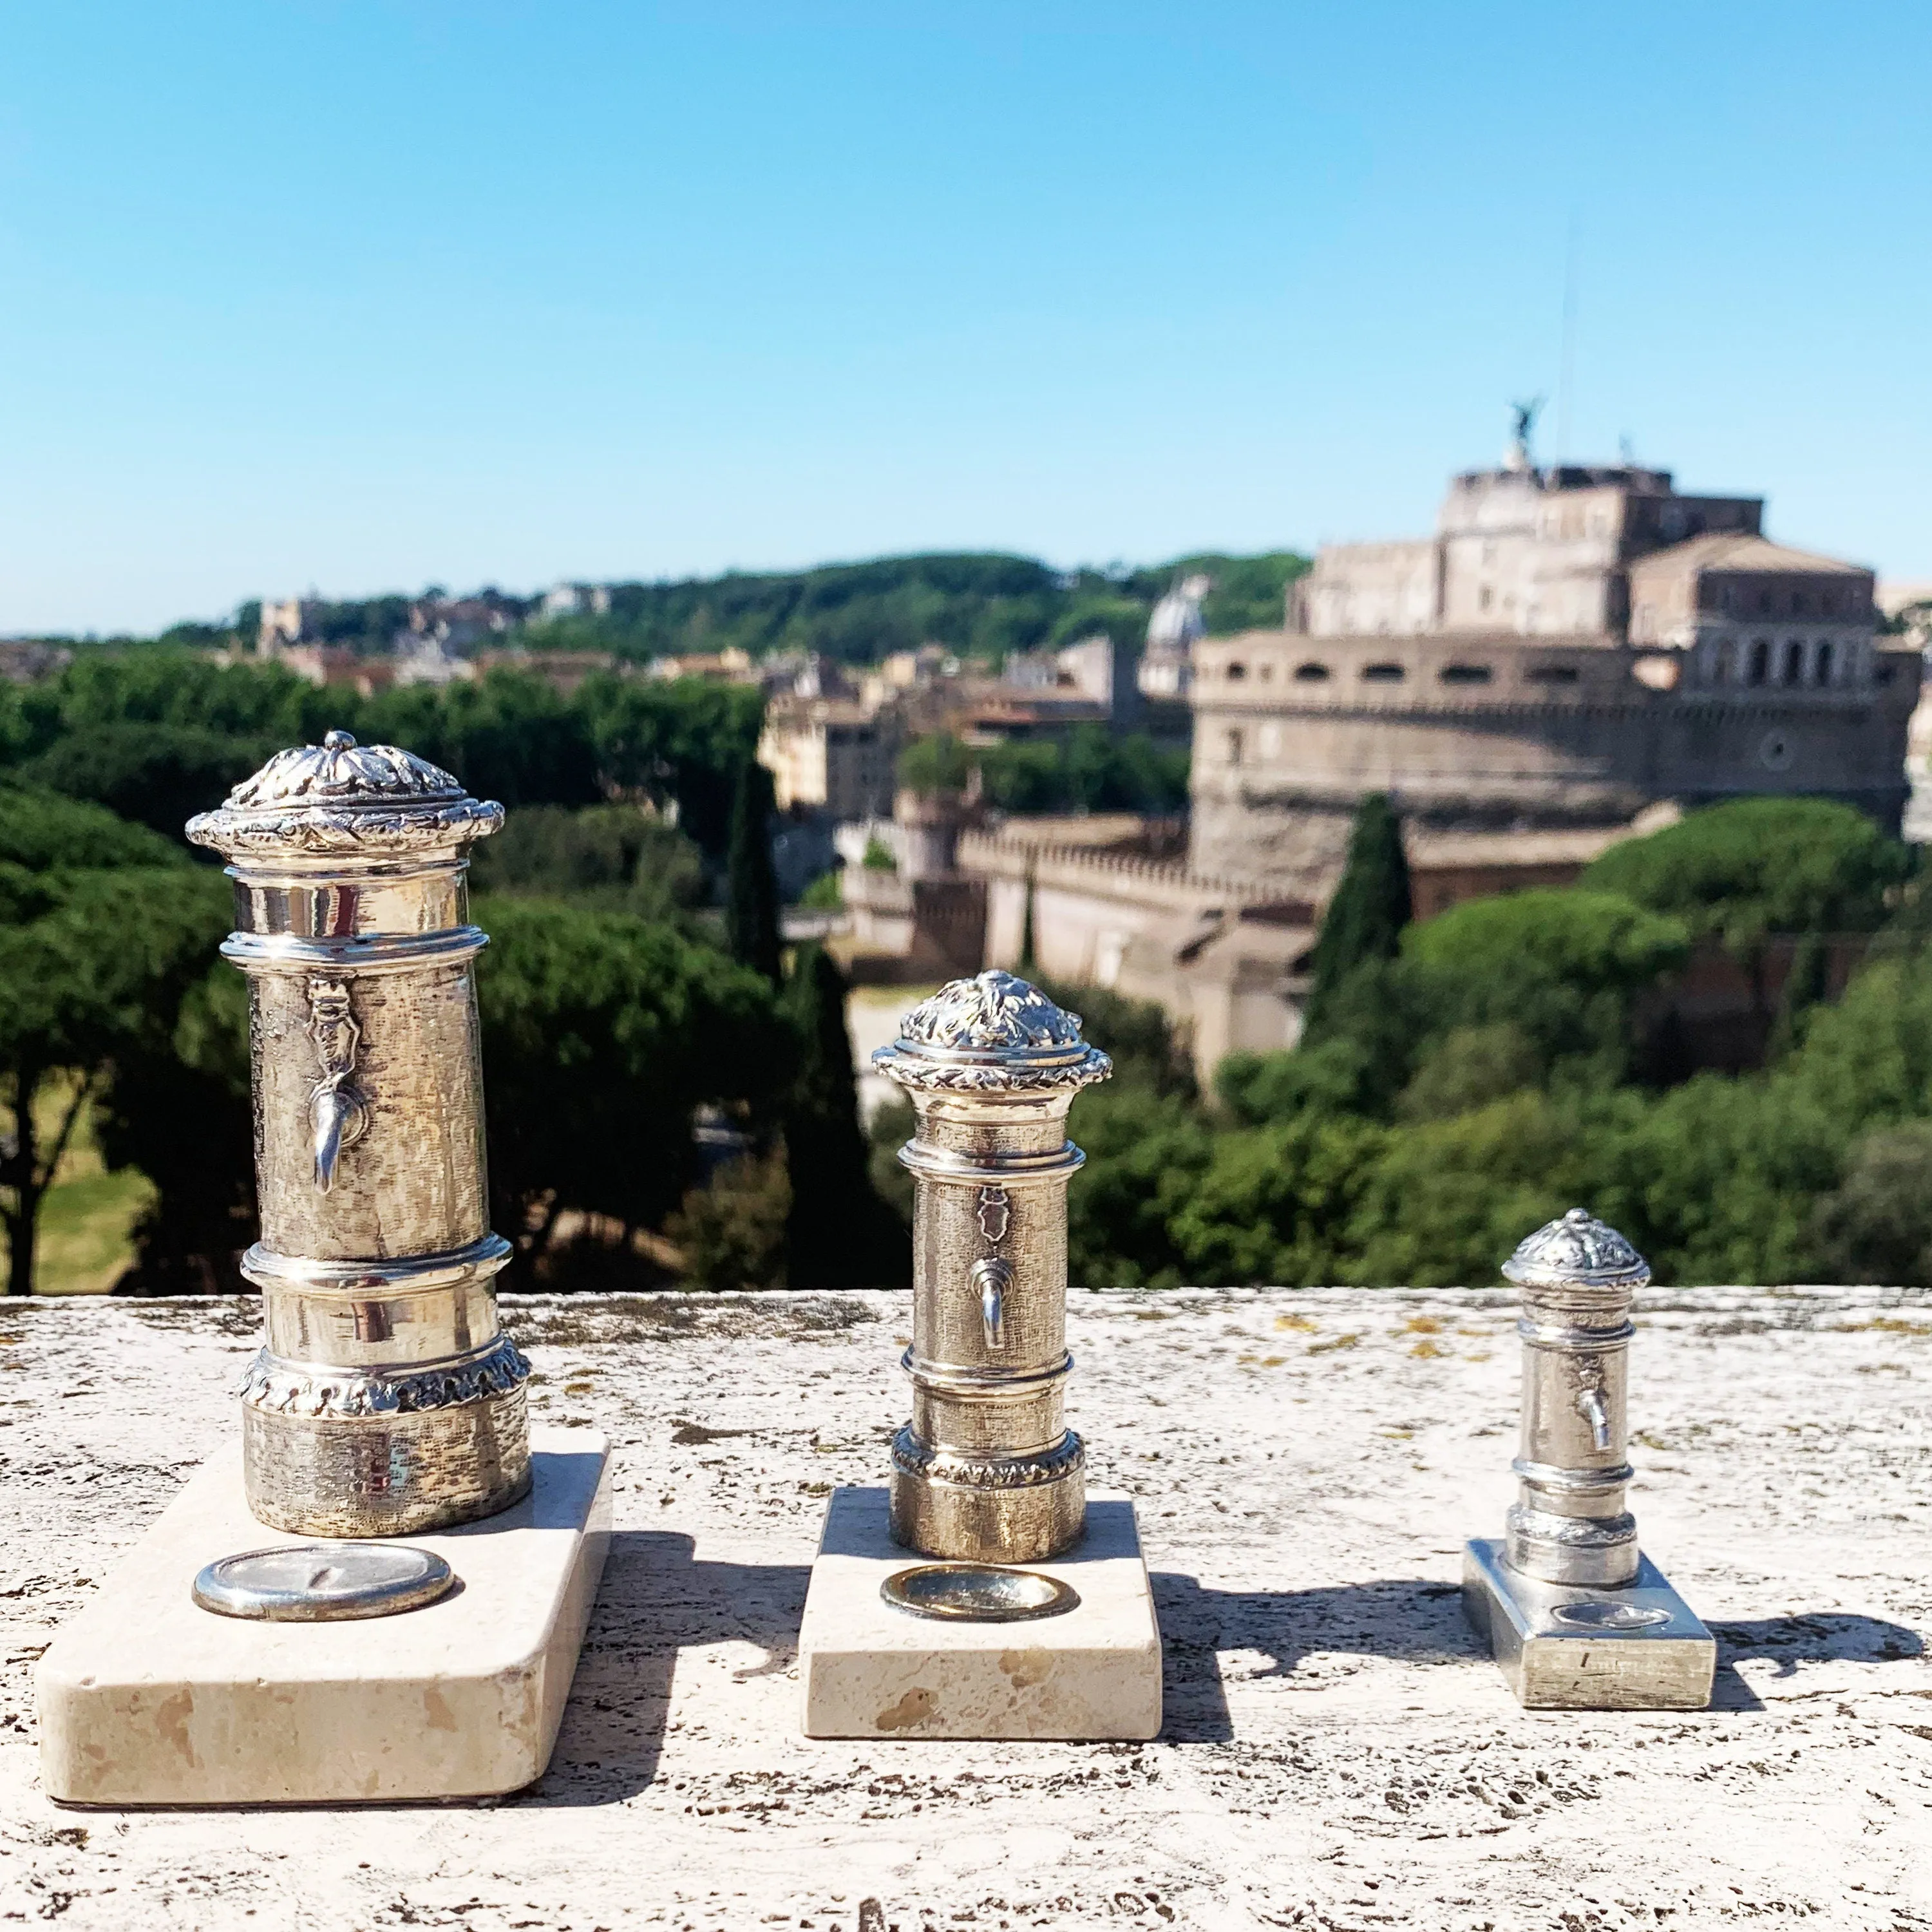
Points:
[(1237, 671), (1821, 665), (1551, 673), (1234, 748), (1794, 661), (1311, 673), (1464, 674), (1383, 673), (1760, 661)]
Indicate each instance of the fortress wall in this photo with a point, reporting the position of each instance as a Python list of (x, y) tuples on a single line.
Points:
[(1485, 732)]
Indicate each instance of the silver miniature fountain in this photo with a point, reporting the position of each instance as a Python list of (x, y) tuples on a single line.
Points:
[(986, 1471), (385, 1402), (1577, 1615)]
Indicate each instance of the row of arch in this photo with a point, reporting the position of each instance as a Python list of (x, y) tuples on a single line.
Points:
[(1795, 663), (1313, 671)]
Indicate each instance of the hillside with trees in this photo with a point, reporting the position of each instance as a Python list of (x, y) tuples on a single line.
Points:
[(979, 605), (1461, 1079)]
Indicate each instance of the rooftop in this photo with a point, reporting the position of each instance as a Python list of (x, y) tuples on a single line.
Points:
[(1337, 1753), (1719, 550)]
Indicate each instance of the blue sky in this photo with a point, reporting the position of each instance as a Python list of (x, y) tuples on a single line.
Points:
[(360, 296)]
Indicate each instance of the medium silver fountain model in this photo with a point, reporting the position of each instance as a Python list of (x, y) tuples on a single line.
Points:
[(986, 1471), (1577, 1615), (386, 1402)]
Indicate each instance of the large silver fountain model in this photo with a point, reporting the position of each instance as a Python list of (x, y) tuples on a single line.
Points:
[(386, 1401), (1576, 1615), (987, 1470)]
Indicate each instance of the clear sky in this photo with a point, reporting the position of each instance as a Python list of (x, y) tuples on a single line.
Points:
[(358, 296)]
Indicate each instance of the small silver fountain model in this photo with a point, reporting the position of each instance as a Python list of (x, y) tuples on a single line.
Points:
[(1575, 1615), (385, 1402), (986, 1470)]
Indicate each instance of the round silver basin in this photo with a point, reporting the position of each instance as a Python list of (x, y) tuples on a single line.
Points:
[(323, 1582), (1603, 1616), (977, 1593)]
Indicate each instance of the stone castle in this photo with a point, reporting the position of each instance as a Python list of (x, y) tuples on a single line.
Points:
[(1573, 645), (1576, 655)]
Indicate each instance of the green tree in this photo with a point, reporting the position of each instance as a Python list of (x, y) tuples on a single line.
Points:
[(1275, 1204), (97, 973), (156, 775), (1364, 920), (619, 857), (1755, 866), (751, 904), (839, 1234), (1565, 968), (1447, 1199), (41, 831), (601, 1034), (934, 765), (1876, 1224), (176, 1106)]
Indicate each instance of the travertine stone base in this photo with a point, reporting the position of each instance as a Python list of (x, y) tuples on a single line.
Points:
[(870, 1671), (1668, 1665), (147, 1699)]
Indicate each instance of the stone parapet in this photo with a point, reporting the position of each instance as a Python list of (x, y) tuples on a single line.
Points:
[(1337, 1748)]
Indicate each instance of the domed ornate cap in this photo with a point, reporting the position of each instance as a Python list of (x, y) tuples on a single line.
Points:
[(1579, 1251), (991, 1033), (341, 797)]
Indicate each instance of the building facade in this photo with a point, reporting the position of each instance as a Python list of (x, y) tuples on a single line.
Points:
[(830, 755), (1572, 645)]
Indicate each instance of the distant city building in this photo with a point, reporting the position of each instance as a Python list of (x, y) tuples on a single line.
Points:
[(575, 600), (29, 660), (1577, 654), (457, 626), (729, 666), (292, 622), (1090, 680), (1167, 665), (1573, 645), (830, 755)]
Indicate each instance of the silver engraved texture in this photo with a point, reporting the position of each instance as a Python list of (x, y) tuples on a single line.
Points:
[(407, 1410), (310, 1388), (986, 1470), (395, 1476), (340, 796)]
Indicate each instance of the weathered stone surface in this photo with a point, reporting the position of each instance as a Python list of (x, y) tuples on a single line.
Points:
[(1337, 1753)]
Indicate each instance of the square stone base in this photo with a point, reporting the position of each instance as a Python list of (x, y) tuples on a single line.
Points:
[(147, 1699), (1666, 1665), (871, 1671)]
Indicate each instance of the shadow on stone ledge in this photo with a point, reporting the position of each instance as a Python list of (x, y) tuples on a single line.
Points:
[(1421, 1621), (655, 1600), (1811, 1637), (1410, 1617)]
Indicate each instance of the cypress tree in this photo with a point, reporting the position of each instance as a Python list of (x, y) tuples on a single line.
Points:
[(751, 891), (1371, 906), (839, 1233)]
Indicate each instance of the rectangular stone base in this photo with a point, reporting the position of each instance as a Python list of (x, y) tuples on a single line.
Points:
[(147, 1699), (871, 1671), (1665, 1661)]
